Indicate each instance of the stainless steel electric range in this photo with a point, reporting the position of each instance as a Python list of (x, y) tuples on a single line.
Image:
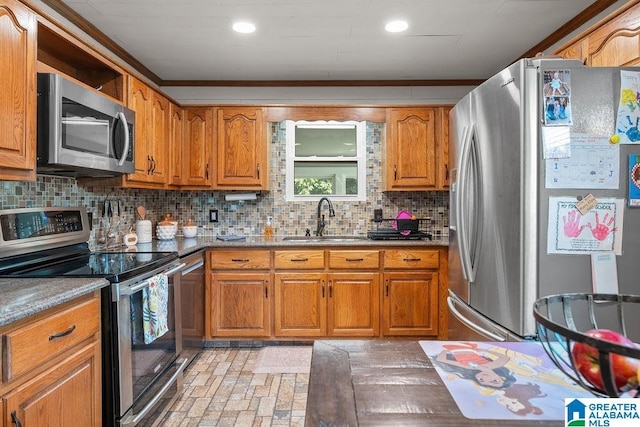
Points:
[(138, 375)]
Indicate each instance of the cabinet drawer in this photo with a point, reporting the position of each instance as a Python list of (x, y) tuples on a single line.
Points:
[(252, 260), (299, 259), (32, 344), (411, 258), (354, 259)]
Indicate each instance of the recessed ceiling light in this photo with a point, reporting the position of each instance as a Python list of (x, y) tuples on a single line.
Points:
[(396, 26), (244, 27)]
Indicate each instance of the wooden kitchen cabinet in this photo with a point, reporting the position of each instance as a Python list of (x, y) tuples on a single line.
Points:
[(239, 293), (52, 367), (313, 302), (151, 135), (177, 145), (242, 157), (411, 294), (614, 41), (442, 164), (198, 146), (18, 92), (411, 156)]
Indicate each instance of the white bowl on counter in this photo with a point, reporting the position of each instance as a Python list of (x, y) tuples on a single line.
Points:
[(189, 231)]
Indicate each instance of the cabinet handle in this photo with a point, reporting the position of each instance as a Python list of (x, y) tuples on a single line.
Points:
[(206, 172), (446, 171), (15, 420), (330, 288), (323, 289), (412, 259), (354, 259), (395, 172), (386, 284), (148, 164), (299, 259), (153, 165), (258, 166), (266, 289), (239, 260), (63, 333)]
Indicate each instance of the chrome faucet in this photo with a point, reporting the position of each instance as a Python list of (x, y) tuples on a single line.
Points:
[(321, 222)]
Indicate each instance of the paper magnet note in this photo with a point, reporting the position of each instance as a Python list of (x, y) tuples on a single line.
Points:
[(628, 117), (634, 180), (556, 91), (594, 164), (570, 232), (556, 142), (604, 273)]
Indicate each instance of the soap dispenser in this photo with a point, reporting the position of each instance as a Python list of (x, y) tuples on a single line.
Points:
[(268, 228)]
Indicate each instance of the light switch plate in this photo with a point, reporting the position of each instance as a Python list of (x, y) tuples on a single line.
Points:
[(213, 215)]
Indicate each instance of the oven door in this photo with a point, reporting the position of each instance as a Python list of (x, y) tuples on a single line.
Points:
[(148, 366)]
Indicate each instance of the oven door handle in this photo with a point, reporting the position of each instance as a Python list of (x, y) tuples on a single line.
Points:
[(141, 285), (132, 420)]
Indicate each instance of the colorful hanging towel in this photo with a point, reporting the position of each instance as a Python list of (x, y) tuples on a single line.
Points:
[(154, 308)]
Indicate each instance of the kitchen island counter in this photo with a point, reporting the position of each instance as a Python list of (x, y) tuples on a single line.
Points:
[(376, 382), (23, 297)]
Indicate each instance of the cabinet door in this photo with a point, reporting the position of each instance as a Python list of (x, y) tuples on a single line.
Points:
[(242, 151), (411, 149), (66, 394), (300, 305), (139, 99), (159, 138), (354, 308), (442, 165), (240, 304), (176, 144), (17, 92), (198, 144), (410, 306)]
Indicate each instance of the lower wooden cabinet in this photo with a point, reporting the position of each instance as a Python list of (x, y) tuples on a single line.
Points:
[(302, 293), (410, 305), (51, 367), (66, 394), (241, 304)]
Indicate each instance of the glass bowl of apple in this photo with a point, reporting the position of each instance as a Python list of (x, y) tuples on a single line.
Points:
[(593, 338)]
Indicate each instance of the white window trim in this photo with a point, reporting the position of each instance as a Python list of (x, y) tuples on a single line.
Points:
[(360, 159)]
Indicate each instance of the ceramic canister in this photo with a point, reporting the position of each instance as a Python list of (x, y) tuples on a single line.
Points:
[(143, 230)]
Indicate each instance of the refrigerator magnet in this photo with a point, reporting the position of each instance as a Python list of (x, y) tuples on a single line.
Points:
[(634, 181), (556, 93)]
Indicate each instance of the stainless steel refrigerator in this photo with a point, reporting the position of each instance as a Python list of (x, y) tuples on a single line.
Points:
[(499, 263)]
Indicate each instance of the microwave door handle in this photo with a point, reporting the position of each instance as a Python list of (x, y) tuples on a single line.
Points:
[(127, 142)]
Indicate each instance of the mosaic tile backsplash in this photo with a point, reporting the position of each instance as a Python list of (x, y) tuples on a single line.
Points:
[(243, 217)]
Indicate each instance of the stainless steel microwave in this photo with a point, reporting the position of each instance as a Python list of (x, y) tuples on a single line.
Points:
[(81, 132)]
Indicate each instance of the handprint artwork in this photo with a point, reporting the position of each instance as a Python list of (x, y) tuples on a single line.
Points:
[(599, 230)]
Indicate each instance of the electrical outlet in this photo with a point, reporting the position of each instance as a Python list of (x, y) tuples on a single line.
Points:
[(213, 215)]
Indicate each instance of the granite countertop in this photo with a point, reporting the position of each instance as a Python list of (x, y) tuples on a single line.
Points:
[(186, 246), (23, 297)]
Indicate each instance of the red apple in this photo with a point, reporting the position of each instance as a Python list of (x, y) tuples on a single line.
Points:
[(586, 358)]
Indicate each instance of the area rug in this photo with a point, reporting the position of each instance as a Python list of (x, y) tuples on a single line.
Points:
[(524, 383), (283, 360)]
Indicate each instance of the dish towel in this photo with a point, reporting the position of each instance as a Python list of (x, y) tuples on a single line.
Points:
[(154, 308)]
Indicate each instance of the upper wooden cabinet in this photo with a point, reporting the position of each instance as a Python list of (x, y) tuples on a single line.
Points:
[(176, 144), (17, 92), (615, 42), (151, 135), (241, 149), (442, 166), (197, 162), (411, 157)]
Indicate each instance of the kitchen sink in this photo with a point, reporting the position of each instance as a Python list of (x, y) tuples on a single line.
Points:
[(324, 238)]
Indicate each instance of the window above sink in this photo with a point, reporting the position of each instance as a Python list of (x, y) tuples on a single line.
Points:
[(325, 158)]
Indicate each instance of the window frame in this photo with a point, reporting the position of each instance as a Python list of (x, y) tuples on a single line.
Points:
[(360, 159)]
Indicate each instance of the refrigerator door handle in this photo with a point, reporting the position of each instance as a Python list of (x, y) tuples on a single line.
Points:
[(463, 222)]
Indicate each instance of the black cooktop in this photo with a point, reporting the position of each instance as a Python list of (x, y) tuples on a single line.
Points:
[(76, 261)]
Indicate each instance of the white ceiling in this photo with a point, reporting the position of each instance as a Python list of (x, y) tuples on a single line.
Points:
[(327, 39)]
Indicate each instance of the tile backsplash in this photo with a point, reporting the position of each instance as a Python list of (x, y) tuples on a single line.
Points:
[(244, 217)]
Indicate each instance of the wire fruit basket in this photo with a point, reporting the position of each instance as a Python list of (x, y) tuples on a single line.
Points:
[(562, 322)]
